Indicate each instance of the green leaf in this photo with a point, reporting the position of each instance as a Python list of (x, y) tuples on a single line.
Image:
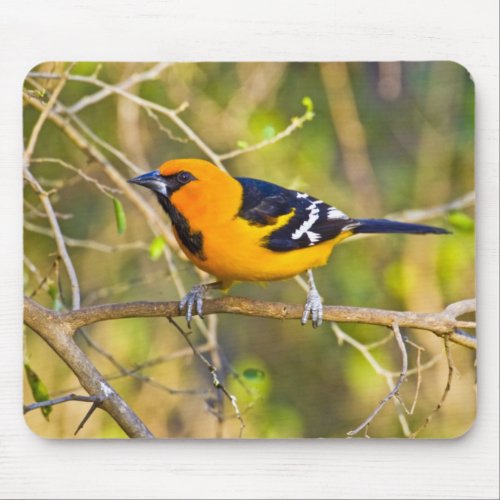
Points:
[(53, 291), (156, 248), (308, 103), (253, 374), (38, 389), (269, 132), (121, 221), (242, 144), (461, 221)]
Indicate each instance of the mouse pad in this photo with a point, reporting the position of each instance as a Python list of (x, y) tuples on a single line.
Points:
[(249, 250)]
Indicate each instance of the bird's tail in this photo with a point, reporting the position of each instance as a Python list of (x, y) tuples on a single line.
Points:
[(390, 226)]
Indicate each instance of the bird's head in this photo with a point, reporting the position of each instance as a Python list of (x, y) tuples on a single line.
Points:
[(190, 185), (189, 175)]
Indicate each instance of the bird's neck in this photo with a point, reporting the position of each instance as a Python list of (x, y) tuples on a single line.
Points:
[(191, 240)]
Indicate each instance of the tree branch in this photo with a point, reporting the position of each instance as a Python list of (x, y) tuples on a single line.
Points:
[(59, 335), (441, 323)]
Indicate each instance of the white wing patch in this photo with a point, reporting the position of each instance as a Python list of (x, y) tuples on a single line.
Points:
[(313, 237), (309, 222), (335, 213)]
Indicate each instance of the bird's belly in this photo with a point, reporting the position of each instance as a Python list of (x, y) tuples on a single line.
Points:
[(236, 254), (261, 264)]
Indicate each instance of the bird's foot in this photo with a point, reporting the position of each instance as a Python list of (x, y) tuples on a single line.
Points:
[(193, 300), (314, 305), (313, 308)]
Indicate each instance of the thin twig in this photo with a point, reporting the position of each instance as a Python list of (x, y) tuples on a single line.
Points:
[(117, 153), (136, 78), (213, 372), (33, 211), (57, 401), (423, 367), (447, 388), (126, 372), (464, 201), (419, 379), (58, 237), (424, 214), (34, 270), (217, 364), (89, 244), (234, 374), (400, 412), (120, 287), (106, 190), (43, 283), (164, 129), (92, 409), (402, 376), (133, 373), (380, 343), (362, 348), (30, 147), (295, 123)]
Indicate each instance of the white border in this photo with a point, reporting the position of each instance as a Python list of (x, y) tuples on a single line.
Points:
[(464, 31)]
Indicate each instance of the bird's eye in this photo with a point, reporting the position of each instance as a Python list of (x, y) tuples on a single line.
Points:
[(184, 177)]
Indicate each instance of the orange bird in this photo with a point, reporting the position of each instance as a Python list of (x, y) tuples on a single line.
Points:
[(241, 229)]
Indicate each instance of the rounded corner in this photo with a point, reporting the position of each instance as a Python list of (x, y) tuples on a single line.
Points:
[(31, 67), (465, 434), (464, 68), (32, 431)]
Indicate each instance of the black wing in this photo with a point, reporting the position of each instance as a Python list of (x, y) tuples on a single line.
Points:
[(313, 222), (263, 202)]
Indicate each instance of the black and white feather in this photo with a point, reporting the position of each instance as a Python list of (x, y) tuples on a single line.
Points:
[(313, 220)]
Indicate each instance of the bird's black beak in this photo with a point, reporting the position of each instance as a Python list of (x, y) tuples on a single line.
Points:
[(152, 180)]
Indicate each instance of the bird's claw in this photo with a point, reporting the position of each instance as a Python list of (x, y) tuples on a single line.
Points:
[(313, 308), (193, 300)]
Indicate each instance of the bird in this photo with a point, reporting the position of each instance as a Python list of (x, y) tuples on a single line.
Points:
[(240, 229)]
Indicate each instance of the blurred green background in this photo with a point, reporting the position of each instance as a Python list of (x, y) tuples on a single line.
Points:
[(385, 138)]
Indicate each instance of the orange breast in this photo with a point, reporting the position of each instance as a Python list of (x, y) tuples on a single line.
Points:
[(234, 252)]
